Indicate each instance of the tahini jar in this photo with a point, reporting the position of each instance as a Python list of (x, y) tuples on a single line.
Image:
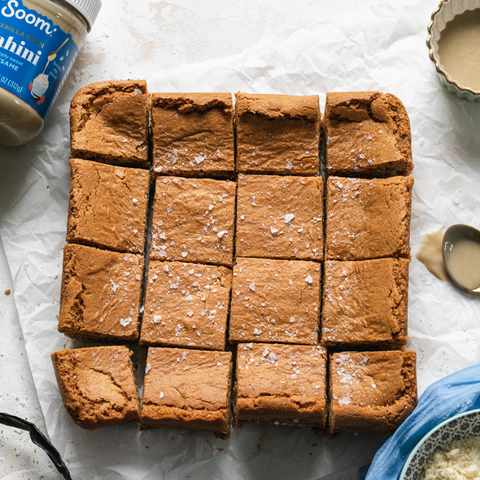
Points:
[(39, 41)]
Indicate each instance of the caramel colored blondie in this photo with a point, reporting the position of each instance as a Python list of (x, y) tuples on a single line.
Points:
[(371, 391), (281, 384), (365, 303), (275, 301), (368, 218), (193, 134), (100, 297), (109, 123), (108, 206), (280, 217), (186, 305), (193, 220), (367, 134), (277, 134), (97, 385), (187, 389)]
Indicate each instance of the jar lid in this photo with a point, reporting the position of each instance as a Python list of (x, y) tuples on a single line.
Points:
[(88, 8)]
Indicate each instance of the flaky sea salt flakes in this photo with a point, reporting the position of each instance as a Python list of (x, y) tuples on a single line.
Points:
[(273, 230), (289, 217), (190, 314), (189, 298), (344, 401), (184, 254), (221, 234), (256, 331), (135, 201), (125, 321), (114, 286), (163, 236), (292, 319), (252, 287), (147, 368), (157, 318), (161, 395), (309, 279)]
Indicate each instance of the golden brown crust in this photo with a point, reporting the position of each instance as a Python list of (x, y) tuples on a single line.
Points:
[(100, 297), (275, 301), (368, 218), (193, 220), (280, 217), (371, 391), (277, 134), (97, 385), (365, 303), (186, 305), (109, 122), (283, 384), (368, 135), (108, 206), (187, 389), (193, 134)]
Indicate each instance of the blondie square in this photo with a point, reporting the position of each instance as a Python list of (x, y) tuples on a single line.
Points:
[(368, 134), (193, 220), (186, 305), (368, 218), (108, 206), (109, 123), (365, 303), (277, 134), (275, 301), (97, 385), (187, 389), (281, 384), (193, 134), (280, 217), (371, 391), (100, 297)]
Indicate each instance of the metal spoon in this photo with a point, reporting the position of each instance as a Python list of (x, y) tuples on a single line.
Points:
[(461, 256)]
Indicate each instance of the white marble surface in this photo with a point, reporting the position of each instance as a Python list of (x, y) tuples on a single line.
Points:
[(132, 39)]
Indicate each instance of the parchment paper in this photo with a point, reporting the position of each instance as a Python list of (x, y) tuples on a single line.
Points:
[(382, 48)]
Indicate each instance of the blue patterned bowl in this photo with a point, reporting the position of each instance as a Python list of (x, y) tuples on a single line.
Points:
[(455, 428)]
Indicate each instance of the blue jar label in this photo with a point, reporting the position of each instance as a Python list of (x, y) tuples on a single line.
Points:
[(35, 55)]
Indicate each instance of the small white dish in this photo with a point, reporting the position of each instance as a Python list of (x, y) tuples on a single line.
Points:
[(445, 13), (458, 427)]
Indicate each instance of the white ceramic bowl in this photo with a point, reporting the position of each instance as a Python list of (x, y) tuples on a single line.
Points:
[(443, 14), (458, 427)]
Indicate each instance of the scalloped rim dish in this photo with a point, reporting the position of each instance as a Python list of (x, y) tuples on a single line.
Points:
[(433, 34)]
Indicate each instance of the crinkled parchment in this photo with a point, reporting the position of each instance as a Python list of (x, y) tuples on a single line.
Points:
[(382, 48)]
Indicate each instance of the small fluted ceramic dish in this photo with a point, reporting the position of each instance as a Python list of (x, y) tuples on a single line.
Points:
[(458, 427), (445, 13)]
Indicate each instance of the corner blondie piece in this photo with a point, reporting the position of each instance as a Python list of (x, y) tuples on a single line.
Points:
[(368, 134), (97, 385), (281, 384), (277, 134), (280, 217), (365, 303), (100, 296), (368, 218), (193, 220), (109, 123), (275, 301), (371, 391), (187, 389), (186, 305), (108, 206), (193, 134)]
